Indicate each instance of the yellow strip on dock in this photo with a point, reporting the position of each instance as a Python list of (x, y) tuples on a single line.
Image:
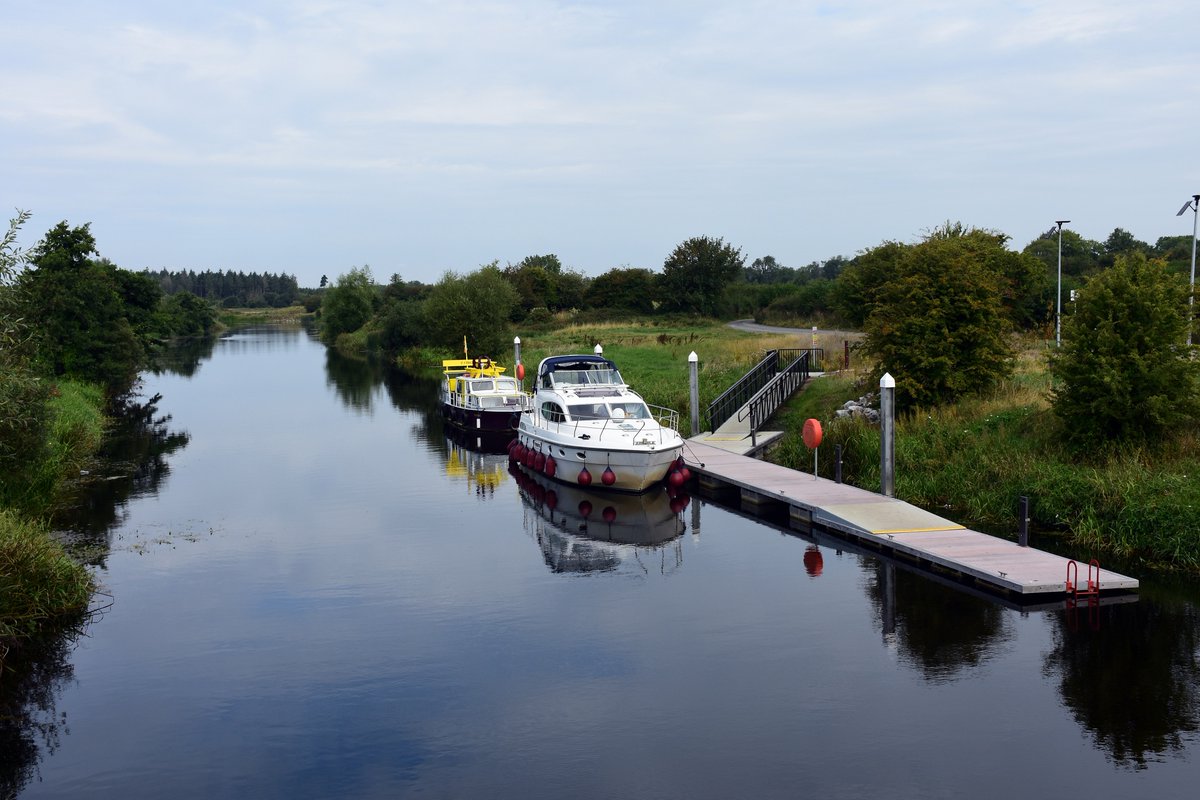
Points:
[(950, 527)]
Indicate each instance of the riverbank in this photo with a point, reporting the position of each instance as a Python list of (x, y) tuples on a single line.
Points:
[(39, 582)]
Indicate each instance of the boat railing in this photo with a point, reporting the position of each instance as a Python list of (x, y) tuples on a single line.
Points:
[(667, 419)]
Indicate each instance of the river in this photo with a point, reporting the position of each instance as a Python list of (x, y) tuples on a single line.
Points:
[(310, 591)]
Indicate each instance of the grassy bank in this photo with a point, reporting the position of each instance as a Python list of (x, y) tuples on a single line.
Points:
[(38, 581), (971, 462), (235, 317)]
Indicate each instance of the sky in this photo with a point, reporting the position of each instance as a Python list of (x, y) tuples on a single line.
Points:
[(308, 137)]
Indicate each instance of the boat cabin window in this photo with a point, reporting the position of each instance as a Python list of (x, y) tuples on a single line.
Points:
[(629, 410), (553, 412), (583, 411), (482, 386), (506, 385)]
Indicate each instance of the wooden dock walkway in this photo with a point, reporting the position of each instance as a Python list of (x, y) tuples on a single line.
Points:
[(893, 526)]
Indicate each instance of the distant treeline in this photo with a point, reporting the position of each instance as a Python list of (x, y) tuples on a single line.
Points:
[(231, 289)]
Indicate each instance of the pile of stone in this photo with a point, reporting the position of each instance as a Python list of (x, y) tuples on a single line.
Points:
[(865, 407)]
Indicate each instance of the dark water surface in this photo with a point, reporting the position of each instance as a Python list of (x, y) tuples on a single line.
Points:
[(315, 593)]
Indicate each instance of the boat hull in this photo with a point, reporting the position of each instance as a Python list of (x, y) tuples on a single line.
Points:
[(634, 469), (491, 420)]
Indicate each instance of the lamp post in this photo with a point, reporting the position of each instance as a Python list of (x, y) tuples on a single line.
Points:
[(1194, 205), (1058, 308)]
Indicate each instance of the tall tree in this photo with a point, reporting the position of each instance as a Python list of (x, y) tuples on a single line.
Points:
[(938, 323), (348, 305), (630, 289), (696, 273), (78, 305), (477, 306), (1123, 371)]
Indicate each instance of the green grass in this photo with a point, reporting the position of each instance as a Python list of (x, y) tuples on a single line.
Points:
[(38, 581)]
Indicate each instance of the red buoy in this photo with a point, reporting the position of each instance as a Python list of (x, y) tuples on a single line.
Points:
[(609, 477), (814, 563), (585, 477), (585, 509), (551, 499), (551, 466), (675, 478), (686, 473), (520, 372), (539, 462), (609, 513)]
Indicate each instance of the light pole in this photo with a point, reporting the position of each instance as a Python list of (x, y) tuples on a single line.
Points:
[(1058, 308), (1194, 205)]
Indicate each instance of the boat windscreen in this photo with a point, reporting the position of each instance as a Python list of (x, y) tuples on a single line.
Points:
[(629, 410), (506, 385), (582, 411), (584, 377)]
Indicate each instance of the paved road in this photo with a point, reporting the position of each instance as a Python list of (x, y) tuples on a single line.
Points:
[(751, 326)]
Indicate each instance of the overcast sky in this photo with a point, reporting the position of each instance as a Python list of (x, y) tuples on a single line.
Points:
[(309, 136)]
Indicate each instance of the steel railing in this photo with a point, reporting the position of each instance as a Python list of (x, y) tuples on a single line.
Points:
[(773, 363), (776, 393)]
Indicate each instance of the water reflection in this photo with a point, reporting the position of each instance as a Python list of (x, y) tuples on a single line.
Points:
[(583, 531), (938, 630), (183, 357), (480, 463), (1133, 684), (31, 679), (133, 463)]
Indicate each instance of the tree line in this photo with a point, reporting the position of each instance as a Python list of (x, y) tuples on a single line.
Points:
[(939, 313), (231, 289)]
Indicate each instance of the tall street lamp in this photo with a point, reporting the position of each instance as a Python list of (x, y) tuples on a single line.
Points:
[(1194, 205), (1058, 308)]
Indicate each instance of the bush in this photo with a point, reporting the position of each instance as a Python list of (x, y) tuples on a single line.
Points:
[(1123, 371), (38, 581)]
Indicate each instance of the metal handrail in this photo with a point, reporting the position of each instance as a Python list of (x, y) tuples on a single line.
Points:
[(754, 381), (733, 398), (768, 400)]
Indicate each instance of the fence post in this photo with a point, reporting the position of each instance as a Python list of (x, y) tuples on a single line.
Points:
[(887, 432), (694, 391)]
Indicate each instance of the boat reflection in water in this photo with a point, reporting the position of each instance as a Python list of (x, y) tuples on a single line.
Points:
[(477, 460), (585, 531)]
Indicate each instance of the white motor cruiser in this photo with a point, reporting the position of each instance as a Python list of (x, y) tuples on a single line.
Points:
[(589, 428)]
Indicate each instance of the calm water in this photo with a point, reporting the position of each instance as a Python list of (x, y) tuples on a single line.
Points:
[(315, 593)]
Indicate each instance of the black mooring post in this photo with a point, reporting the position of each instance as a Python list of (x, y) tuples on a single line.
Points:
[(1023, 535), (837, 463)]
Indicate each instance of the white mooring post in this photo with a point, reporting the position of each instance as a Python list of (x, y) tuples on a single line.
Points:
[(887, 432), (516, 353), (694, 391)]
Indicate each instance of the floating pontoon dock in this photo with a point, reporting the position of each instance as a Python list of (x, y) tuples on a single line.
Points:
[(900, 529)]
